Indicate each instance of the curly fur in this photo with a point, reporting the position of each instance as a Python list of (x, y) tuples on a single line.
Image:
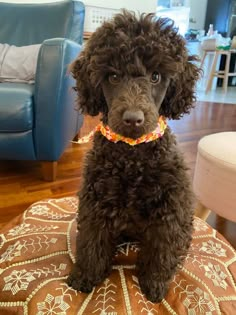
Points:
[(141, 192)]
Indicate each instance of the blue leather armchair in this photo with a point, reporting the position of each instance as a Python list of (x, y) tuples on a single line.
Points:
[(38, 121)]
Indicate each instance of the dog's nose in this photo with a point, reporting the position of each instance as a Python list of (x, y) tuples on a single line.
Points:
[(133, 118)]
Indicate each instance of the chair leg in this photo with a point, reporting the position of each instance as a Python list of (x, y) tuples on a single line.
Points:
[(201, 211), (212, 73), (226, 72), (203, 58), (49, 170), (221, 224), (77, 136)]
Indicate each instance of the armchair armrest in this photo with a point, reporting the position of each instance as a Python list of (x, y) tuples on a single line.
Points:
[(56, 121)]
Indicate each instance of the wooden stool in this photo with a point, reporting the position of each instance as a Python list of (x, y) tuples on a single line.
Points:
[(205, 53), (224, 74), (214, 181)]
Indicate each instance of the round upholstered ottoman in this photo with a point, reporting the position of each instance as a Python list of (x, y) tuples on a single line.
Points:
[(37, 251), (215, 175)]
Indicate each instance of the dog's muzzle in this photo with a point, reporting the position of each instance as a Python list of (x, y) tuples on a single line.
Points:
[(133, 118)]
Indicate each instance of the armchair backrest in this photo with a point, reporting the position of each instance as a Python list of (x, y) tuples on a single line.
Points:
[(24, 24)]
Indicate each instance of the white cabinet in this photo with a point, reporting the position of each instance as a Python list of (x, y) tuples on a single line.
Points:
[(173, 3), (179, 14)]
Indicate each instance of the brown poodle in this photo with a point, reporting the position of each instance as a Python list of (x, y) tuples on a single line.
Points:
[(133, 70)]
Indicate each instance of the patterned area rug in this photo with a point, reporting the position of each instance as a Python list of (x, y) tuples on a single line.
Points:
[(37, 251)]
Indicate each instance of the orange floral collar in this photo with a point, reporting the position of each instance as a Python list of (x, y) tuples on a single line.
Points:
[(114, 137)]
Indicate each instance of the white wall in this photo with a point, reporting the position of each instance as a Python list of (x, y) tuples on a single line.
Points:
[(139, 5), (197, 7)]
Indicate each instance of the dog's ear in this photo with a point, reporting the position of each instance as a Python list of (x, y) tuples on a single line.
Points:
[(180, 95), (90, 100)]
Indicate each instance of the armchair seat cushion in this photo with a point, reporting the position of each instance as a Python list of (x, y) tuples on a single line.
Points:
[(16, 107)]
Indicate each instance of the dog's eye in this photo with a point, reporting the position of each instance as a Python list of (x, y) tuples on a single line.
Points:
[(114, 78), (155, 77)]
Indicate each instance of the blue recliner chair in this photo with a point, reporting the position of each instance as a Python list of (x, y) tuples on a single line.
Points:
[(38, 121)]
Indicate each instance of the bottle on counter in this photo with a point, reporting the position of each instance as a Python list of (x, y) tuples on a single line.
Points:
[(211, 30)]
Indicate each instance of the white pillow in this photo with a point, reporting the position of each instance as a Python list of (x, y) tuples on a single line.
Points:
[(18, 64)]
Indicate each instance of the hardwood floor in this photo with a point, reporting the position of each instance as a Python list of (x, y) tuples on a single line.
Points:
[(21, 183)]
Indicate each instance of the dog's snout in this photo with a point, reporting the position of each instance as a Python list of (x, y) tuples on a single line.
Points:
[(133, 118)]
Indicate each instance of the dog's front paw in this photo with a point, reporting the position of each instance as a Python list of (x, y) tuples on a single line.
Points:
[(79, 283), (154, 290)]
